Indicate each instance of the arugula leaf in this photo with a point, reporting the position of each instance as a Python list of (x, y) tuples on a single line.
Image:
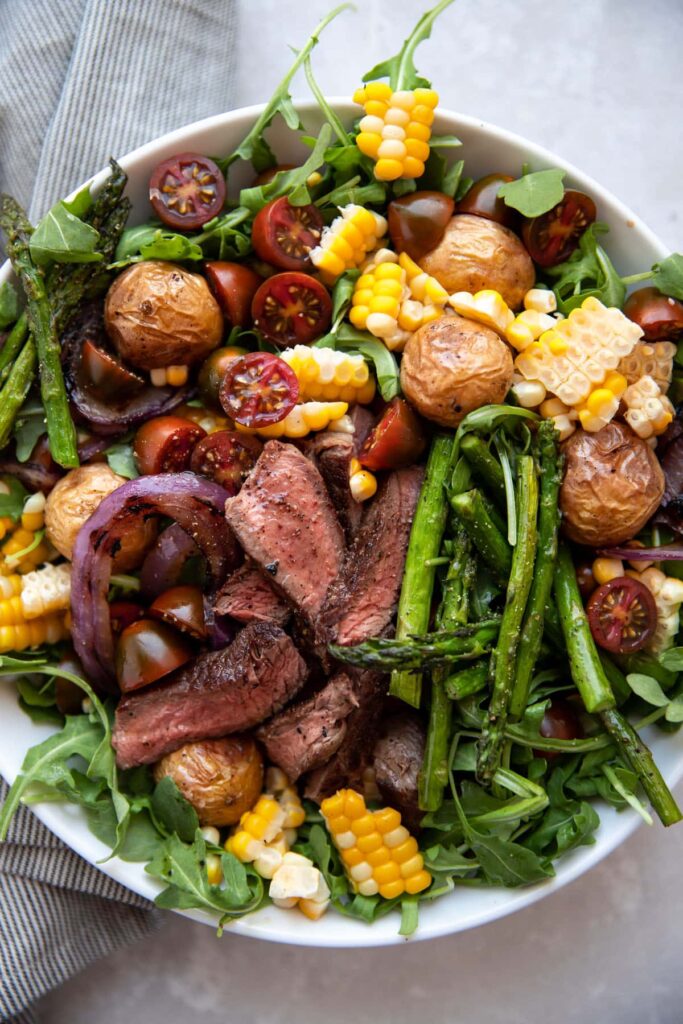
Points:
[(504, 862), (289, 183), (439, 176), (320, 850), (401, 70), (668, 276), (647, 688), (61, 237), (372, 194), (9, 304), (409, 916), (142, 839), (148, 243), (174, 812), (12, 504), (588, 271), (121, 460), (29, 427), (534, 194)]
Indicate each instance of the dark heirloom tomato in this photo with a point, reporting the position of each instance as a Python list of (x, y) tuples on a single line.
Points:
[(107, 375), (186, 191), (123, 613), (259, 389), (585, 579), (292, 309), (226, 457), (267, 176), (553, 237), (147, 651), (482, 200), (234, 286), (398, 439), (660, 317), (417, 221), (164, 444), (284, 235), (182, 607), (212, 372), (560, 722), (622, 615)]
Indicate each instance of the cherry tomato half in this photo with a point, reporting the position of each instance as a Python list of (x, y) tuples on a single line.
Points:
[(182, 607), (417, 221), (107, 375), (147, 651), (259, 389), (284, 235), (123, 613), (482, 200), (660, 317), (560, 722), (398, 439), (622, 615), (212, 372), (164, 444), (553, 237), (292, 309), (226, 457), (234, 286), (186, 191)]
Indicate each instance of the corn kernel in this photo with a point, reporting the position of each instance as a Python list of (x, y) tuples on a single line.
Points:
[(387, 820), (390, 872), (214, 871), (390, 890), (606, 569), (418, 883)]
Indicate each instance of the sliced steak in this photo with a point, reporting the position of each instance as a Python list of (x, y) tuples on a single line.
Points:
[(332, 452), (248, 596), (397, 760), (307, 734), (362, 600), (285, 521), (219, 693), (354, 755)]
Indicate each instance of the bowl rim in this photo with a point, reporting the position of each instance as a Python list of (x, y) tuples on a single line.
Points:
[(59, 821)]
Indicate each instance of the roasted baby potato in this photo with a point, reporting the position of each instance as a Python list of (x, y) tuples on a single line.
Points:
[(221, 778), (613, 483), (73, 500), (159, 314), (476, 253), (453, 365)]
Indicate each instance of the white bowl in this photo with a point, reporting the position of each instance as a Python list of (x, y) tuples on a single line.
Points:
[(633, 247)]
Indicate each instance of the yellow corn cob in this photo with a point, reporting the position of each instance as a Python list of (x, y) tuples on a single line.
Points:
[(298, 882), (668, 594), (169, 376), (348, 240), (650, 359), (487, 307), (10, 586), (326, 375), (603, 403), (45, 590), (362, 483), (266, 833), (541, 300), (649, 412), (527, 327), (379, 854), (394, 297), (48, 630), (301, 420), (396, 129), (33, 513)]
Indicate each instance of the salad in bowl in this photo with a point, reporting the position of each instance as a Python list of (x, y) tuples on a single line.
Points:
[(341, 512)]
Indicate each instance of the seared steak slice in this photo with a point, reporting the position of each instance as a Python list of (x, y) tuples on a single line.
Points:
[(397, 761), (362, 600), (285, 521), (248, 596), (307, 734), (332, 452), (354, 755), (219, 693)]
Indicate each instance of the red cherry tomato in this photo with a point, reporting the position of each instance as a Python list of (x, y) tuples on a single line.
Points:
[(226, 457), (265, 177), (585, 579), (182, 607), (292, 309), (259, 389), (147, 651), (560, 722), (164, 444), (234, 286), (123, 613), (417, 221), (186, 191), (107, 375), (660, 317), (212, 372), (398, 440), (482, 200), (284, 235), (553, 237), (622, 615)]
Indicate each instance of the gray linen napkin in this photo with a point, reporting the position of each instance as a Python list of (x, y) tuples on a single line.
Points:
[(81, 80)]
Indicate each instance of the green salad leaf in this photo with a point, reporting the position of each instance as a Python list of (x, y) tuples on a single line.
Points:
[(401, 70), (81, 203), (588, 271), (62, 237), (173, 811), (28, 428), (289, 183), (348, 339), (121, 460), (534, 194), (12, 504), (667, 275), (9, 304)]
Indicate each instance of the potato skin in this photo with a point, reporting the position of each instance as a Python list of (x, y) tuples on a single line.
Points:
[(73, 500), (453, 365), (613, 483), (221, 778), (159, 314), (477, 253)]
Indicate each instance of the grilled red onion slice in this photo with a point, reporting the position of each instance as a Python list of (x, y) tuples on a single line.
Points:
[(164, 562), (196, 504), (666, 553)]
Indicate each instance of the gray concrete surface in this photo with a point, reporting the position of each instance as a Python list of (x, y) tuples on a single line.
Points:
[(600, 82)]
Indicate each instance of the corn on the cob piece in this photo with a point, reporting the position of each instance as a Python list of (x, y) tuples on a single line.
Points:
[(344, 425), (527, 327), (650, 359), (301, 420), (528, 393), (48, 630), (668, 594), (394, 297), (649, 412), (169, 376), (298, 882), (45, 590), (379, 854), (326, 375), (23, 551), (33, 512), (602, 404), (362, 483), (541, 300), (396, 129), (487, 307), (345, 244)]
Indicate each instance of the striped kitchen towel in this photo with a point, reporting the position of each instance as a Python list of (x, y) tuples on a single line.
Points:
[(81, 80)]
